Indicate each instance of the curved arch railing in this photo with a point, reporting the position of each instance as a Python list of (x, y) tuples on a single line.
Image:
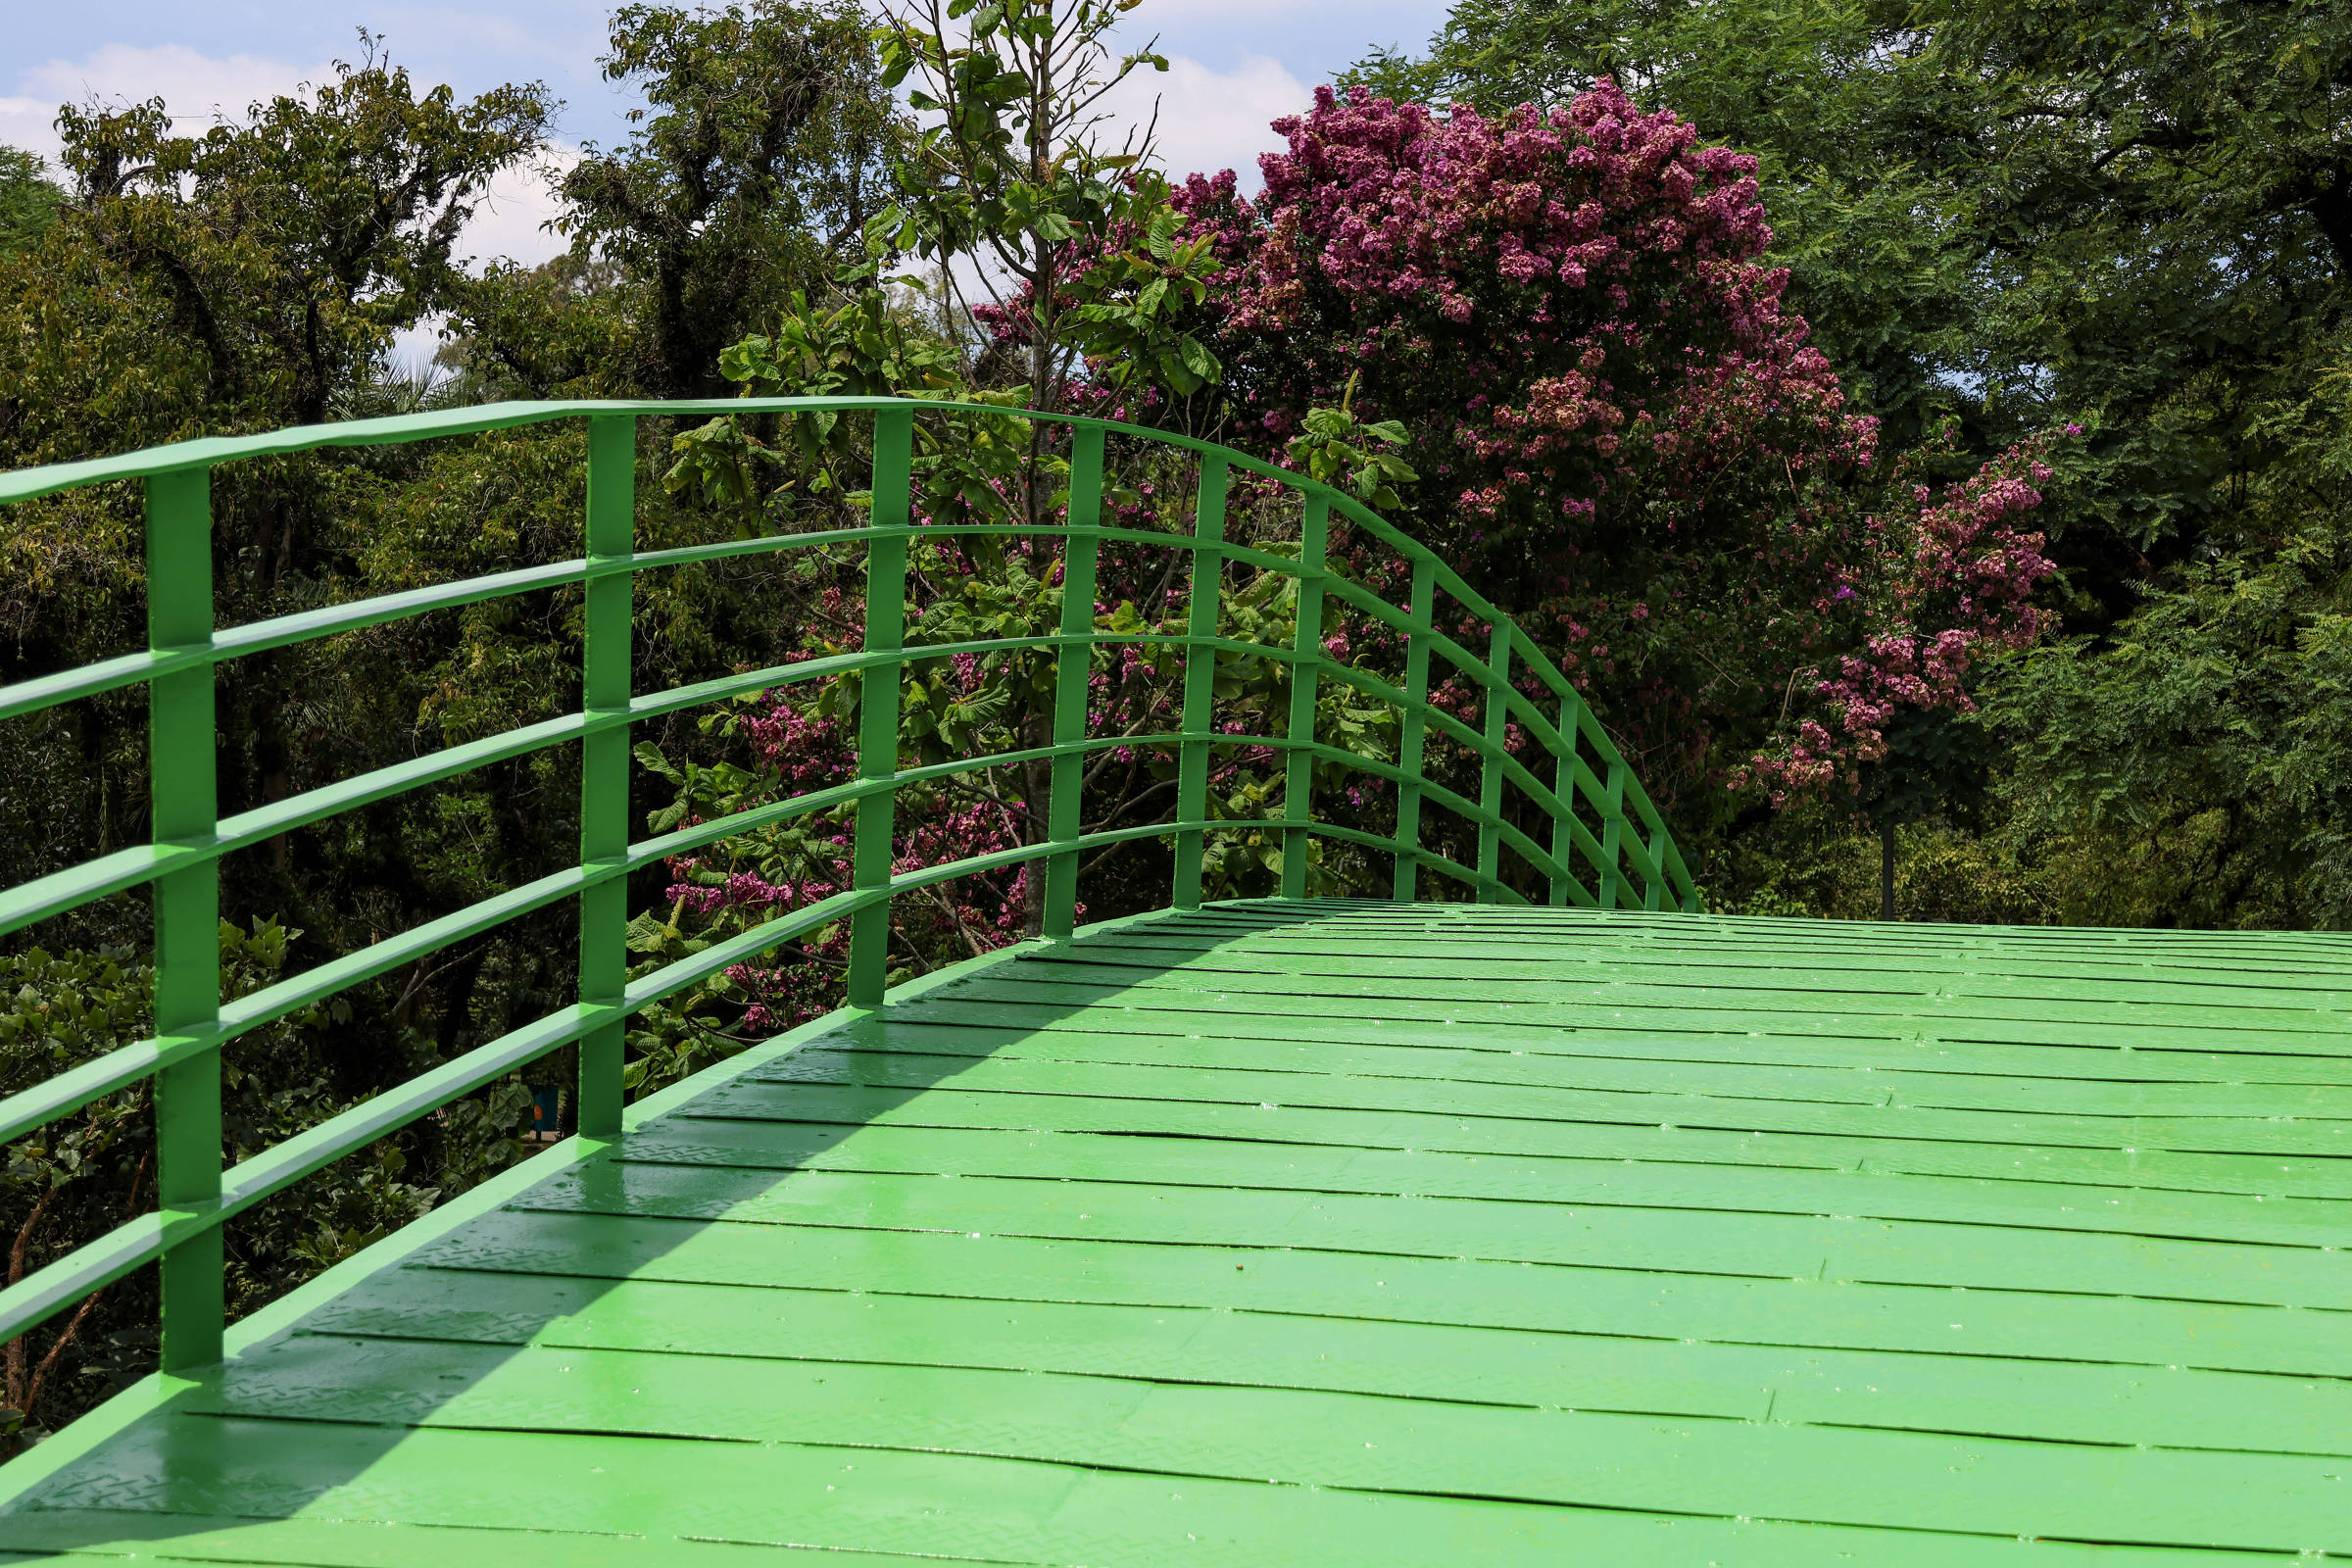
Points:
[(1632, 856)]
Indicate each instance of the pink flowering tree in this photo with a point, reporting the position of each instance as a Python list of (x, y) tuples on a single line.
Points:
[(1946, 577), (1619, 432)]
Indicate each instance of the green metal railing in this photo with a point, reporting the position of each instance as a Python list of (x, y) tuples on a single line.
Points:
[(1632, 856)]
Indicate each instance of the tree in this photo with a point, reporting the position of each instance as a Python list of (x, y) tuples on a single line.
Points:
[(2188, 766), (752, 173), (2127, 218), (1930, 586), (29, 200), (1011, 177), (1854, 132), (1626, 440)]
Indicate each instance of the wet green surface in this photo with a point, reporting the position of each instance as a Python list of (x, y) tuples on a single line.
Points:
[(1348, 1234)]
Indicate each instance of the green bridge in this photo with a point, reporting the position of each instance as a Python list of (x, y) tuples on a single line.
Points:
[(1556, 1223)]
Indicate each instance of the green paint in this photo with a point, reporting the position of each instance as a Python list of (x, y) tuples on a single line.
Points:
[(878, 703), (1072, 672), (1563, 789), (610, 528), (1413, 730), (1035, 1048), (1460, 1225), (1298, 767), (184, 789), (1497, 675), (1200, 678)]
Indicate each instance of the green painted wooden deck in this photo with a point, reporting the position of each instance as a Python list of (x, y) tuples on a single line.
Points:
[(1352, 1233)]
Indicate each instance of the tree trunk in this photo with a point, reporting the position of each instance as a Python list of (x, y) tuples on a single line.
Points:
[(1886, 869)]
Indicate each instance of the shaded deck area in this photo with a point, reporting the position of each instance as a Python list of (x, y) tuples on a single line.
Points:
[(1354, 1232)]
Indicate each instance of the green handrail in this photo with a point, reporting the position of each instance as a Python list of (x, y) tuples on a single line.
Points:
[(1633, 851)]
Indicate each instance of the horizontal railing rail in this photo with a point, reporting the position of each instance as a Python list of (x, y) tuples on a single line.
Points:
[(1632, 858)]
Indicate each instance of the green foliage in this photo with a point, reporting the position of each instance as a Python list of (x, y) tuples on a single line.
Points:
[(286, 250), (1340, 448), (2204, 742), (1006, 164), (80, 1176), (1813, 863), (1130, 327), (2136, 219), (29, 200), (748, 175), (1009, 172)]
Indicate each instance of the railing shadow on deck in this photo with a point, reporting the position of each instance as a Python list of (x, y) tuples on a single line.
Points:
[(1625, 845), (139, 1470)]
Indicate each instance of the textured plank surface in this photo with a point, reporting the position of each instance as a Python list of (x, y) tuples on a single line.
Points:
[(1357, 1234)]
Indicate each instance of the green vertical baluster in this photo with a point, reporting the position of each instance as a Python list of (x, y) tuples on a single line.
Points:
[(878, 702), (184, 795), (1690, 903), (1298, 772), (1653, 887), (1563, 785), (1489, 772), (1415, 726), (1612, 837), (604, 689), (1073, 672), (1200, 680)]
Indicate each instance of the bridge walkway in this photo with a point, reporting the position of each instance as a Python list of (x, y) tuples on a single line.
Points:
[(1353, 1233)]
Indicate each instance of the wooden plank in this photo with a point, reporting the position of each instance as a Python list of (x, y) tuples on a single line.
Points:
[(926, 1504), (2308, 1137), (1790, 1043), (2254, 1175), (1554, 1298), (2084, 1093), (1299, 1438), (1758, 1246), (1432, 1173), (2070, 1401)]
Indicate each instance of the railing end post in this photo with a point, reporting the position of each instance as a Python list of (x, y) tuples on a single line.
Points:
[(607, 683), (183, 792)]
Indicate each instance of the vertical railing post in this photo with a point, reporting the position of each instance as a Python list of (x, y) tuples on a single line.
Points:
[(878, 703), (1306, 642), (604, 691), (1563, 788), (183, 783), (1612, 837), (1413, 735), (1073, 678), (1489, 772), (1200, 680)]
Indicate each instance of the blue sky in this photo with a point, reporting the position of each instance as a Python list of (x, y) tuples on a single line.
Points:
[(1236, 64)]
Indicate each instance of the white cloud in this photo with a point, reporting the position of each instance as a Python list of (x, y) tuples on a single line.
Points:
[(1210, 119), (508, 222), (196, 88), (510, 219)]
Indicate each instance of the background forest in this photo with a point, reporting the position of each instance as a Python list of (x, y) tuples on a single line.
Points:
[(1923, 429)]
